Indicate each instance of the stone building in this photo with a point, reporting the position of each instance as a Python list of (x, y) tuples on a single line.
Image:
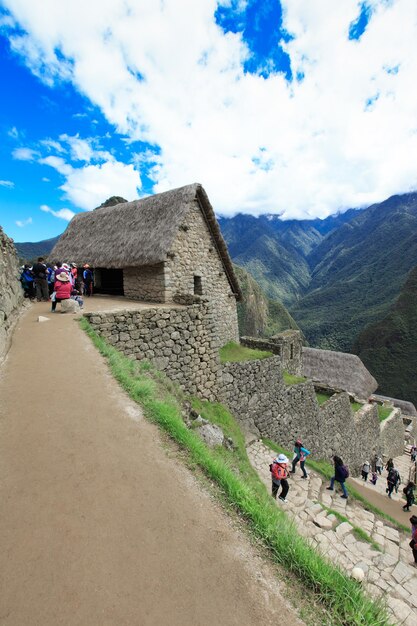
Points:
[(164, 248)]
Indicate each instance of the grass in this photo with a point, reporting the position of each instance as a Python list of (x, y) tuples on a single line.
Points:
[(291, 379), (234, 353), (356, 406), (384, 412), (326, 469), (343, 599), (322, 397)]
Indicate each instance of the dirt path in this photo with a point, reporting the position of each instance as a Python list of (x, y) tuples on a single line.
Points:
[(99, 526), (388, 506)]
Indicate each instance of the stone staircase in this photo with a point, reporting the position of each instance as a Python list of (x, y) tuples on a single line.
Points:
[(388, 572)]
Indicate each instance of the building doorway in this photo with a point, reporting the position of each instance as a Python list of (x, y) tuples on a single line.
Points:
[(108, 280)]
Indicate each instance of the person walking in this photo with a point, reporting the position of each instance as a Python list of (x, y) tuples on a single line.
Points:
[(408, 491), (41, 283), (279, 475), (366, 467), (379, 465), (389, 465), (413, 542), (341, 473), (300, 455), (392, 479)]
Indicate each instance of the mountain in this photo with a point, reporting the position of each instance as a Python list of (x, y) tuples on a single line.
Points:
[(357, 272), (258, 315), (276, 251), (29, 251), (389, 348)]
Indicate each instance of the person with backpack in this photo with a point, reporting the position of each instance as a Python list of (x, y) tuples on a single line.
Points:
[(392, 480), (88, 280), (279, 475), (27, 278), (300, 454), (41, 283), (341, 473), (408, 491)]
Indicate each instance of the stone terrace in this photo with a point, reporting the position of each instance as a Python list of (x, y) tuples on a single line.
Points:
[(388, 573)]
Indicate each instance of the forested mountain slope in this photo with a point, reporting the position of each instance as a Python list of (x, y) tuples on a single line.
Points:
[(389, 348)]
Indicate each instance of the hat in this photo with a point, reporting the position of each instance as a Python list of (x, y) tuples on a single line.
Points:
[(63, 277), (73, 265), (282, 459), (65, 266)]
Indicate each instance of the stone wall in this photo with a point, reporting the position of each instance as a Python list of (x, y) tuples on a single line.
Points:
[(180, 341), (145, 283), (288, 345), (11, 292), (392, 434), (195, 267), (265, 406)]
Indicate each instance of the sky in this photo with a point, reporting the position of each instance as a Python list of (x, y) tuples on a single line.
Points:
[(300, 108)]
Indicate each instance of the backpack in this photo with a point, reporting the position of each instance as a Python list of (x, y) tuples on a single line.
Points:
[(393, 476), (278, 471), (344, 471)]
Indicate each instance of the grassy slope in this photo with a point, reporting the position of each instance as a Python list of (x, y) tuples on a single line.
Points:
[(343, 599)]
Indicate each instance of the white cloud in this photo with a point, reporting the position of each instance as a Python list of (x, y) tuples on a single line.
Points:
[(45, 180), (63, 214), (13, 133), (7, 183), (23, 223), (24, 154), (257, 144)]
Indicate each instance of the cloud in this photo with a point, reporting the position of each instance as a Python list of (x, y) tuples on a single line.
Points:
[(23, 223), (305, 147), (45, 180), (63, 214), (13, 133), (24, 154), (7, 183)]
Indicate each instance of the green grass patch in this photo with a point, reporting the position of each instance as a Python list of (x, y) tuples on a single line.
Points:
[(291, 379), (343, 599), (356, 406), (384, 412), (233, 352), (326, 469), (322, 397)]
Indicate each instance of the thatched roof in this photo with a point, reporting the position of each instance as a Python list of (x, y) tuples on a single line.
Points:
[(338, 370), (138, 233)]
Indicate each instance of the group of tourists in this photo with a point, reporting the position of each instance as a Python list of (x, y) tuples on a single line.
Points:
[(55, 283)]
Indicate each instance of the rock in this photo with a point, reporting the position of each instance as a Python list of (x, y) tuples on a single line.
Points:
[(41, 318), (358, 574), (70, 306), (211, 434)]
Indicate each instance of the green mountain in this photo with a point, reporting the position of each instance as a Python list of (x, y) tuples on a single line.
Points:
[(357, 272), (30, 251), (258, 315), (389, 348)]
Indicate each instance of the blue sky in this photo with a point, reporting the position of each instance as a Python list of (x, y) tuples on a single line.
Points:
[(300, 108)]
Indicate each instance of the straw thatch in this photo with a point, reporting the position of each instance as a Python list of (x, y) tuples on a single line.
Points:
[(138, 233), (338, 370)]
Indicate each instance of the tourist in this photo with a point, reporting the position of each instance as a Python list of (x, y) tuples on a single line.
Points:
[(279, 475), (374, 478), (379, 465), (27, 279), (41, 283), (413, 542), (341, 473), (366, 468), (300, 454), (397, 482), (50, 277), (413, 453), (88, 280), (63, 289), (392, 479), (408, 491), (389, 465)]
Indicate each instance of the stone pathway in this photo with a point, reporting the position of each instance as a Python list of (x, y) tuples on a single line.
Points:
[(388, 572)]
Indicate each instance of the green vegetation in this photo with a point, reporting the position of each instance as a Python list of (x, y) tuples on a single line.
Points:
[(384, 412), (233, 352), (326, 469), (388, 347), (291, 379), (323, 397), (356, 406), (343, 599), (359, 533)]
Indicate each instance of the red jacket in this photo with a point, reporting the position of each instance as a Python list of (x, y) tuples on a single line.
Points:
[(63, 290)]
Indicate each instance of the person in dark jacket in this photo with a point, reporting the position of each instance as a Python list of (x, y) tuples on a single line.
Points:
[(392, 480), (41, 282), (409, 495), (27, 279), (413, 542), (340, 475)]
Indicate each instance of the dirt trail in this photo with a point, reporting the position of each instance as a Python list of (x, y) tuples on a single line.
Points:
[(98, 525)]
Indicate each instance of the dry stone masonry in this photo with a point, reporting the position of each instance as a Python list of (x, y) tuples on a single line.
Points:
[(11, 293)]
